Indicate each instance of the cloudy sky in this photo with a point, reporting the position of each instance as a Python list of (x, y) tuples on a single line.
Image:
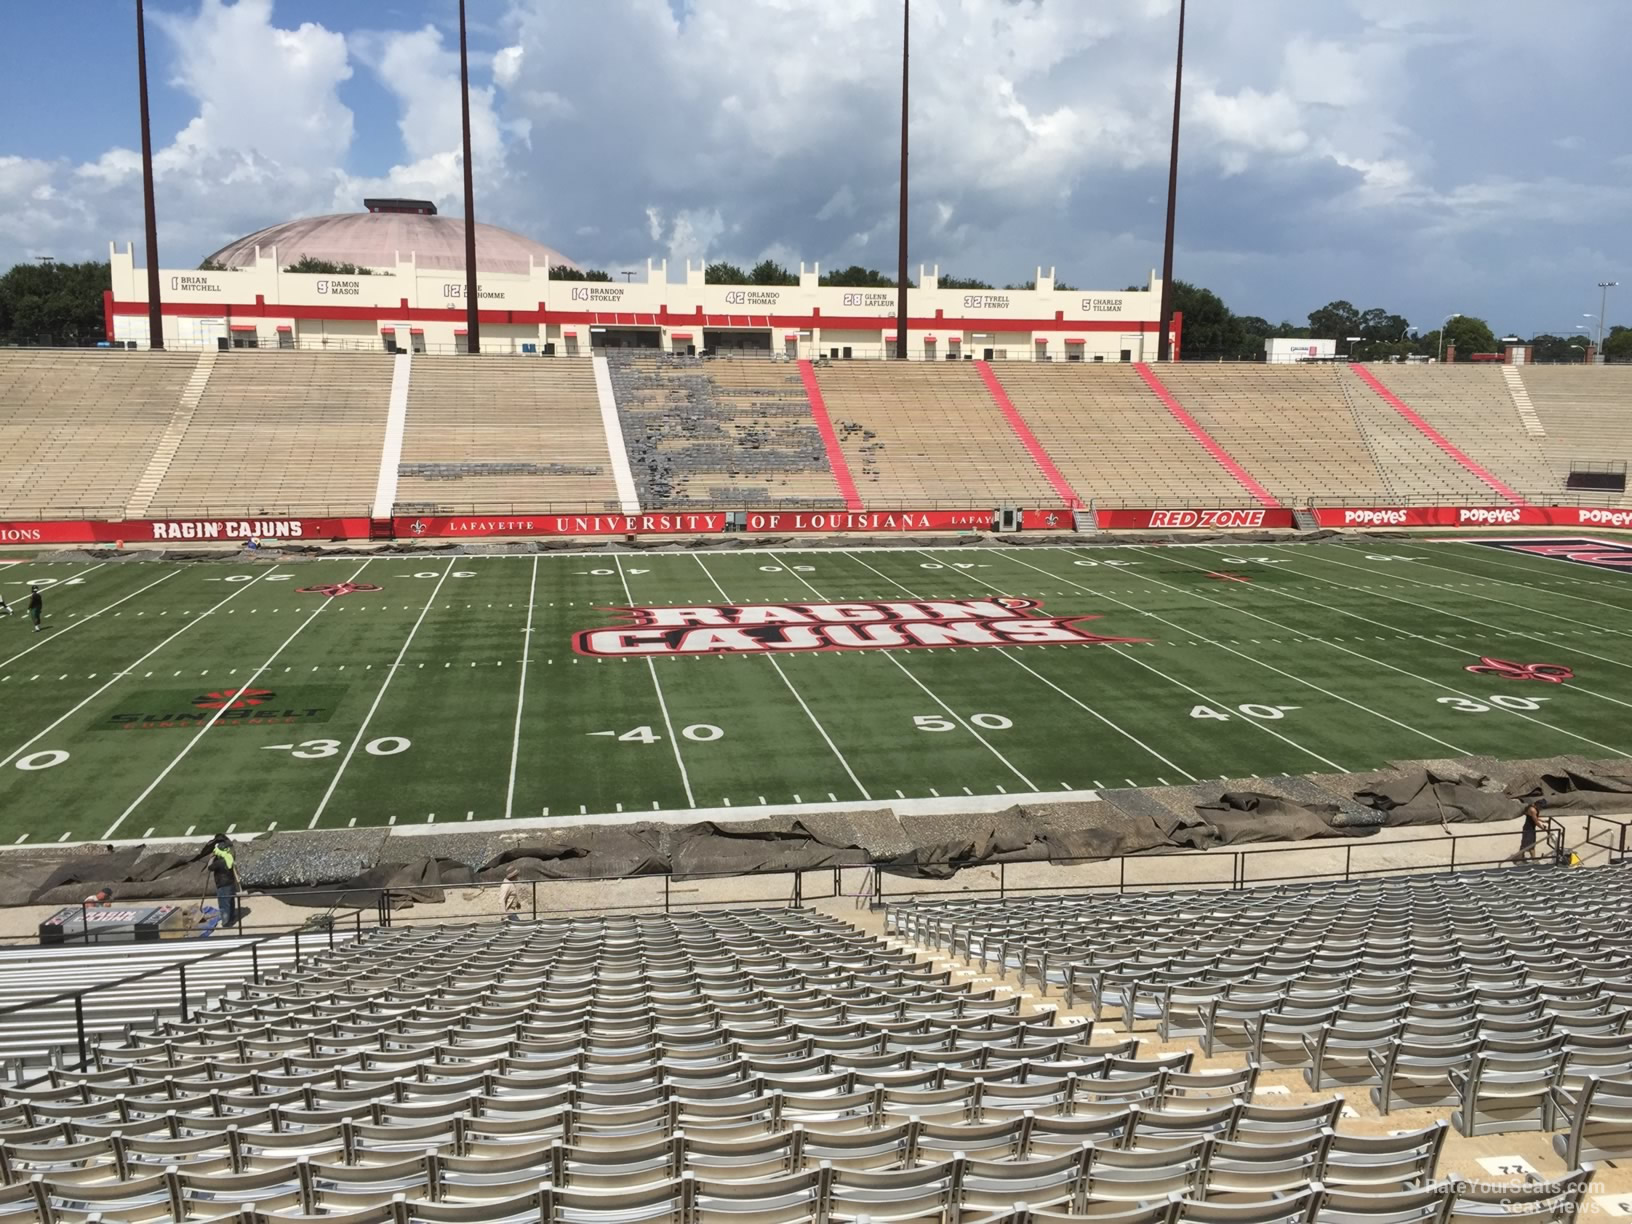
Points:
[(1426, 156)]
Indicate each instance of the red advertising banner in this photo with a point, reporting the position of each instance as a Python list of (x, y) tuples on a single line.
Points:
[(1472, 516), (758, 522), (1163, 520), (874, 521), (144, 531), (455, 526)]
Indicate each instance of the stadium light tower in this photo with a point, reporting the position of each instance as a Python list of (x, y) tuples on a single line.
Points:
[(155, 311), (901, 254), (1164, 344), (473, 323), (1603, 305)]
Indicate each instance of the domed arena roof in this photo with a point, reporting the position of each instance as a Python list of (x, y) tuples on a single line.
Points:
[(389, 228)]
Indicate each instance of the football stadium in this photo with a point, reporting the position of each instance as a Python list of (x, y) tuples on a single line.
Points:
[(486, 742)]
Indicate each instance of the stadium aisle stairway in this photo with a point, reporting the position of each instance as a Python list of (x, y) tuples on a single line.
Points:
[(1587, 412), (782, 1065), (78, 427), (1473, 411), (281, 433)]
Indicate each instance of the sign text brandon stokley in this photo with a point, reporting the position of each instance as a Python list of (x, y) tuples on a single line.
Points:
[(872, 625)]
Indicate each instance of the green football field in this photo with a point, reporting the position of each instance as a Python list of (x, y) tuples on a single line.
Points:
[(178, 699)]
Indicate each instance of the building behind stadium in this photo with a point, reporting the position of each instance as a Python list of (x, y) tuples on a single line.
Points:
[(413, 297)]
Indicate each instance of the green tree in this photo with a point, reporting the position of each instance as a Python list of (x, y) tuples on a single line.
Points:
[(1618, 344), (1470, 335), (1060, 286), (327, 267), (1548, 347), (724, 274), (214, 265), (770, 273), (1210, 329), (963, 282), (564, 273), (53, 303), (858, 277), (1334, 321)]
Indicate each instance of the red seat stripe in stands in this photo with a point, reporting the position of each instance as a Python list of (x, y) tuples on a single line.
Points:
[(830, 439), (1039, 456), (1433, 435), (1225, 459)]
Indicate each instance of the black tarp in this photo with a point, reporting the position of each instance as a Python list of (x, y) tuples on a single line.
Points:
[(1426, 797)]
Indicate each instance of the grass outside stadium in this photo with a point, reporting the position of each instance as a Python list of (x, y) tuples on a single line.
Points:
[(176, 699)]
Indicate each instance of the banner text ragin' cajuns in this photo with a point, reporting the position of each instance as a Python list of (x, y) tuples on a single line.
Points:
[(886, 625)]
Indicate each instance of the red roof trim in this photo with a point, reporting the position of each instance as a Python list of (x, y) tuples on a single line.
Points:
[(241, 327), (285, 327), (679, 335)]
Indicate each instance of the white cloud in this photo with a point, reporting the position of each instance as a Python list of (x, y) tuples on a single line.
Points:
[(1371, 150)]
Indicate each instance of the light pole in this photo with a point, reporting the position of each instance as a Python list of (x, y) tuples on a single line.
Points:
[(1353, 340), (1164, 340), (1448, 318), (1603, 305)]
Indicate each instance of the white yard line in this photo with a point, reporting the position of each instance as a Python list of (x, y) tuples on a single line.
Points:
[(1338, 646), (809, 713), (225, 706), (521, 692), (1494, 556), (1498, 557), (1072, 698), (657, 687), (1403, 574), (1199, 636), (928, 692), (130, 667), (58, 633), (1268, 730), (1472, 620), (390, 674)]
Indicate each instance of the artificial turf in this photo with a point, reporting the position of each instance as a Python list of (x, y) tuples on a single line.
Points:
[(454, 692)]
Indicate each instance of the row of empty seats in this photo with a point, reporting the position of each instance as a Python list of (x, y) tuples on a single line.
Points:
[(77, 429), (100, 434), (1585, 416), (502, 436), (920, 434), (277, 434), (726, 432), (775, 1066)]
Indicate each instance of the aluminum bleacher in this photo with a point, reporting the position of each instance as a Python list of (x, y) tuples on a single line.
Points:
[(784, 1065), (1587, 414), (501, 434), (79, 425), (275, 433), (726, 432)]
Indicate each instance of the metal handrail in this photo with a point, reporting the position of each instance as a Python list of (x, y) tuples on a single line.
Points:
[(1241, 877), (179, 968), (1618, 836)]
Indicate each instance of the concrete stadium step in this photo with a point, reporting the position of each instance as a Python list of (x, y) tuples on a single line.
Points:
[(1522, 403), (192, 392)]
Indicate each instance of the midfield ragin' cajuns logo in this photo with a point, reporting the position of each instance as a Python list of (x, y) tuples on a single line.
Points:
[(918, 624)]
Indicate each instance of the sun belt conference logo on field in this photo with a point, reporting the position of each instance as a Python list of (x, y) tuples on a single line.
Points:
[(883, 625)]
